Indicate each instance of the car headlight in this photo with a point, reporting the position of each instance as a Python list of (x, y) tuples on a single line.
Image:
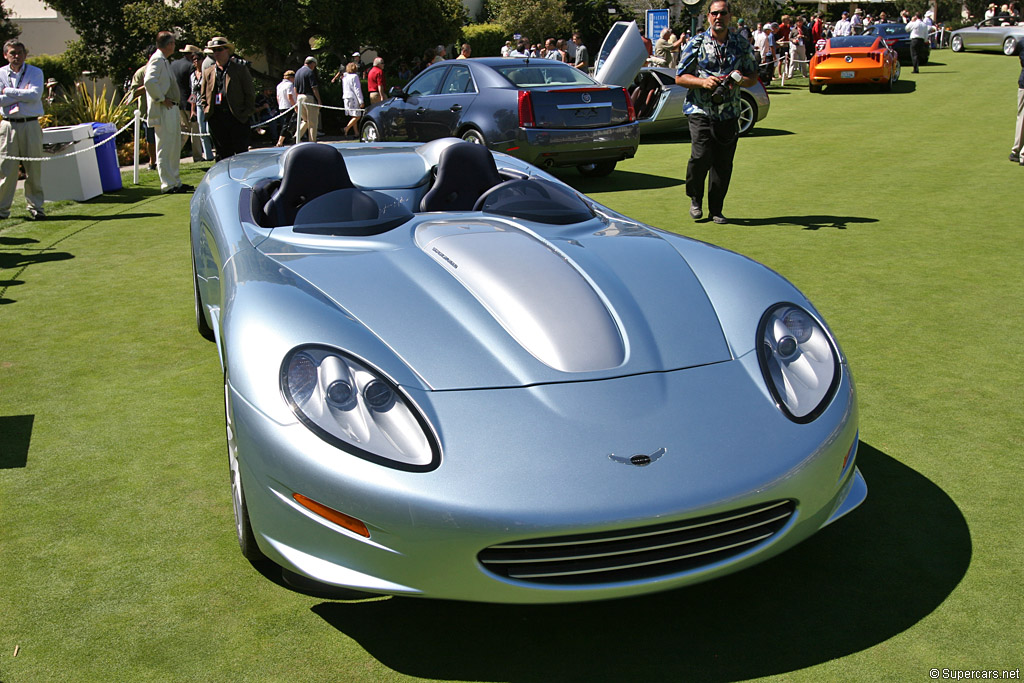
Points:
[(799, 362), (356, 409)]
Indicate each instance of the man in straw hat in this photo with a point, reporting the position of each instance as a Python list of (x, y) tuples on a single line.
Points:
[(229, 98), (163, 96)]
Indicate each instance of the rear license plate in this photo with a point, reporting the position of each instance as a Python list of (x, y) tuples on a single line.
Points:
[(848, 74)]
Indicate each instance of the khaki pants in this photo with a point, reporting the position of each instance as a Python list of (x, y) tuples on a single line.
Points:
[(1018, 133), (309, 114), (166, 124), (24, 139)]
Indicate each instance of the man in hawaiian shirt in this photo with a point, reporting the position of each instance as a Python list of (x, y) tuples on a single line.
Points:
[(708, 61)]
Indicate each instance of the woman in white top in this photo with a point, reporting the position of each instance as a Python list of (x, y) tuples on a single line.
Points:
[(352, 94)]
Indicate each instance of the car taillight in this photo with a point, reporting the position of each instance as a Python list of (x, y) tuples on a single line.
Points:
[(892, 41), (526, 119), (630, 109)]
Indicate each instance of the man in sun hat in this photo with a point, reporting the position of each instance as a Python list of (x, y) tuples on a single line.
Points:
[(229, 99)]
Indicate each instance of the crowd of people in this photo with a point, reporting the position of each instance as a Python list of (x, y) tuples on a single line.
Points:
[(208, 96)]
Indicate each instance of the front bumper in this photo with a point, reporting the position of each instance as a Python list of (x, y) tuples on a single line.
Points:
[(547, 147), (500, 483)]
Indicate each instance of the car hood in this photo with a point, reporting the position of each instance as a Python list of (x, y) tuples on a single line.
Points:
[(488, 302)]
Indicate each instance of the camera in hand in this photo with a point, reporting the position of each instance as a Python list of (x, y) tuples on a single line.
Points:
[(721, 92)]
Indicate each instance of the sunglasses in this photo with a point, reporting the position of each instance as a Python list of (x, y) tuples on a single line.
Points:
[(219, 49), (718, 13)]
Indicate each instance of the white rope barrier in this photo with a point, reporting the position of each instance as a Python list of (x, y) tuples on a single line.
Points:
[(70, 154)]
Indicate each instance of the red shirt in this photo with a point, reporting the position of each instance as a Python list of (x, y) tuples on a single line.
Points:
[(375, 81)]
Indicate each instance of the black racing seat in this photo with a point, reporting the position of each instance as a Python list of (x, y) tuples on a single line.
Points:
[(464, 172), (310, 170)]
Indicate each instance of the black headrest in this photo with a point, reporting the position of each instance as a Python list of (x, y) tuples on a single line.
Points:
[(464, 172), (309, 170)]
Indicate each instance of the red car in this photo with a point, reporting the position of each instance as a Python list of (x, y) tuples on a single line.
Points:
[(855, 59)]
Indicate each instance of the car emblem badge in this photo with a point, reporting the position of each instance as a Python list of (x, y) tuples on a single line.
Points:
[(640, 459), (849, 59), (586, 98)]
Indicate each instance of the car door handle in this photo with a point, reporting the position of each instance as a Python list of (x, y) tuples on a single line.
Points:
[(456, 107), (420, 110)]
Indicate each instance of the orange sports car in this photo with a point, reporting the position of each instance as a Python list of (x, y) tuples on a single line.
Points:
[(855, 59)]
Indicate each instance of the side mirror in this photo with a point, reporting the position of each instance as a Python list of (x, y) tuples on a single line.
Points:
[(397, 92)]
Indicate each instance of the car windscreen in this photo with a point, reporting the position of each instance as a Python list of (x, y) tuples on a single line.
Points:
[(541, 73), (851, 41), (891, 29)]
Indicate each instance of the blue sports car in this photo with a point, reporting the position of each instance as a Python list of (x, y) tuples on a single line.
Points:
[(447, 374)]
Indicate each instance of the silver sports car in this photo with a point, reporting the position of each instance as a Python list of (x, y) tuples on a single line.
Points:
[(448, 374), (998, 33)]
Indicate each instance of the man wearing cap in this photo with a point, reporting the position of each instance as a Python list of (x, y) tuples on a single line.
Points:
[(21, 99), (307, 90), (375, 81), (843, 27), (163, 95), (229, 100)]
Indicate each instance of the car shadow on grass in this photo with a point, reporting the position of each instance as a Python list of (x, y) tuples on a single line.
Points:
[(677, 137), (816, 222), (898, 88), (857, 583)]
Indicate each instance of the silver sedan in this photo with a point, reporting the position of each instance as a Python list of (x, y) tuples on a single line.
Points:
[(997, 33)]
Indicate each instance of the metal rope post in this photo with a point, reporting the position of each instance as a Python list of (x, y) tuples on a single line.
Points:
[(138, 127)]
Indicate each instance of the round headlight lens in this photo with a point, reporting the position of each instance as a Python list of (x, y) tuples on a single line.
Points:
[(798, 360), (355, 408)]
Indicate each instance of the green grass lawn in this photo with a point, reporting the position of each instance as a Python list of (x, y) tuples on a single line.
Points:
[(898, 214)]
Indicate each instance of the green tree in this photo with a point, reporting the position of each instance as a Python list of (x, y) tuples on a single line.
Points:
[(114, 34), (535, 19), (8, 29), (593, 19)]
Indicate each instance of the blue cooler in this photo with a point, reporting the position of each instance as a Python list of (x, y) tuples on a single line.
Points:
[(106, 156)]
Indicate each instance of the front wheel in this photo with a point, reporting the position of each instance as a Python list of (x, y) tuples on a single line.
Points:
[(243, 529), (598, 169), (474, 136), (205, 331), (957, 45), (748, 114), (370, 132), (1010, 47)]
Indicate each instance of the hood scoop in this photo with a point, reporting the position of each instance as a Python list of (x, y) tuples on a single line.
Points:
[(531, 289)]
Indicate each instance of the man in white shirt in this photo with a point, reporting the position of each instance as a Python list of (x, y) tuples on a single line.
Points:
[(162, 95), (286, 100), (21, 100), (918, 31), (843, 27)]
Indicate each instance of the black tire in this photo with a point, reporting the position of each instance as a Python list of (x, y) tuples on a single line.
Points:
[(1011, 46), (814, 87), (370, 132), (748, 114), (598, 169), (957, 44), (205, 331), (243, 528), (474, 136)]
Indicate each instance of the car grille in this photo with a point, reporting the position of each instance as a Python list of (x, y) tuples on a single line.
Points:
[(638, 553)]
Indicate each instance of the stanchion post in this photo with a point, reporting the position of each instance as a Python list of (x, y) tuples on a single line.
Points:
[(138, 127), (301, 107)]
